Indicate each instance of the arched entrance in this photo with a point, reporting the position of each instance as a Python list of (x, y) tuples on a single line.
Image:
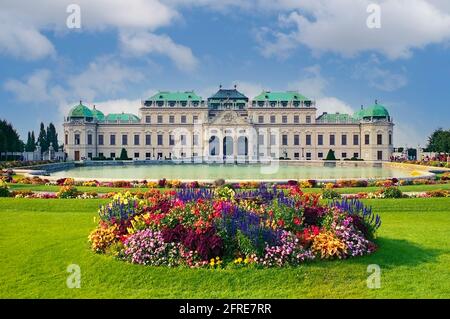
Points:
[(243, 146), (214, 145), (228, 146)]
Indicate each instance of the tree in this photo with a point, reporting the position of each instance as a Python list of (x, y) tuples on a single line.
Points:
[(330, 156), (42, 139), (9, 140), (439, 141), (52, 136), (33, 142), (124, 154), (30, 146)]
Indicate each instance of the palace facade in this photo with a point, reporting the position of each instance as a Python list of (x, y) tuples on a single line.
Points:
[(228, 126)]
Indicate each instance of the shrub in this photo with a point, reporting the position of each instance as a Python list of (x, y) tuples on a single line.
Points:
[(330, 194), (392, 192), (123, 155), (68, 192), (4, 191), (330, 156)]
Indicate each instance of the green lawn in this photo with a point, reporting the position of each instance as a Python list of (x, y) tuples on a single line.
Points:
[(40, 238), (350, 190)]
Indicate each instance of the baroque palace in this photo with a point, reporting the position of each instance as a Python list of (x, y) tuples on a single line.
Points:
[(228, 126)]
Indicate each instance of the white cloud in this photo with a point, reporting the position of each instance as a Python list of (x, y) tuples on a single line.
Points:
[(314, 85), (118, 106), (378, 77), (143, 43), (23, 41), (22, 23), (103, 76), (33, 88), (340, 27)]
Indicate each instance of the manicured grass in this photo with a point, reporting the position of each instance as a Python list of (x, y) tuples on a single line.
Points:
[(40, 238), (349, 190)]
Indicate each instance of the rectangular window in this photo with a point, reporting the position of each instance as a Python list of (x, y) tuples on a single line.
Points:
[(89, 139), (284, 119), (320, 155), (344, 155), (261, 119), (77, 139), (195, 140), (136, 139), (148, 155), (124, 139), (379, 139), (308, 119), (90, 155), (136, 155), (308, 156), (284, 139), (112, 139), (380, 155), (183, 139), (355, 139), (183, 119), (160, 119), (171, 119), (296, 119), (100, 139), (272, 119), (332, 139), (195, 119), (260, 139), (171, 140), (148, 119), (160, 139), (273, 139), (344, 139), (296, 139), (66, 139), (296, 155), (112, 155), (367, 139), (320, 139), (148, 139), (355, 155), (100, 155), (308, 139), (390, 139)]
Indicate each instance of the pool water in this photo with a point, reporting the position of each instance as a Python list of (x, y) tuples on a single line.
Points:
[(230, 172)]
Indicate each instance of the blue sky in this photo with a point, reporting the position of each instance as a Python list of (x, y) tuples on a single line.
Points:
[(126, 50)]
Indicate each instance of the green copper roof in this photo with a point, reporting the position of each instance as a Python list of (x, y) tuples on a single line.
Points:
[(336, 118), (98, 115), (280, 96), (376, 110), (225, 94), (175, 96), (122, 117), (80, 110)]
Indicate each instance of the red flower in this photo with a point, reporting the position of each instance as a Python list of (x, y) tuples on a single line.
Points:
[(297, 221), (280, 223)]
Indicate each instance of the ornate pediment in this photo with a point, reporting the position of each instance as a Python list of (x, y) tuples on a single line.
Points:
[(229, 118)]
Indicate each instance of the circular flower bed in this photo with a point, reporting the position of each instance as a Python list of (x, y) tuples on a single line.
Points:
[(223, 227)]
